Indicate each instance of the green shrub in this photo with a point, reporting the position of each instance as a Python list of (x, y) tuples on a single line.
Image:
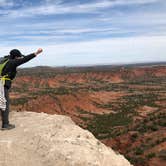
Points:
[(154, 128), (105, 122), (142, 129), (162, 123), (139, 151), (134, 136), (137, 160), (19, 101), (150, 155)]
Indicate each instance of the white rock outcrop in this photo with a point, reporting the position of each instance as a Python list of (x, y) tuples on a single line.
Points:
[(40, 139)]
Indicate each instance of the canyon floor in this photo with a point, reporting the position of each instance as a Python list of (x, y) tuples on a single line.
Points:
[(123, 106)]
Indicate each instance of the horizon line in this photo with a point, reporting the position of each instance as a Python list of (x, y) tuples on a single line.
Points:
[(101, 64)]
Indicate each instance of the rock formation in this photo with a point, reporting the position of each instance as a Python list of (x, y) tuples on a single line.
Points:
[(40, 139)]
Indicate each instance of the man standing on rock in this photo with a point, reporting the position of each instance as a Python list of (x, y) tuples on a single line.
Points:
[(8, 73)]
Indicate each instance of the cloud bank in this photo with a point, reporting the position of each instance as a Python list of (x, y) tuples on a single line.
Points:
[(98, 31)]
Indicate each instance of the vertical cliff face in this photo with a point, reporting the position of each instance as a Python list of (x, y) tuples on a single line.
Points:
[(47, 140)]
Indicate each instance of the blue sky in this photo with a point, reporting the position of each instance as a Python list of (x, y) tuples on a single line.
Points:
[(80, 32)]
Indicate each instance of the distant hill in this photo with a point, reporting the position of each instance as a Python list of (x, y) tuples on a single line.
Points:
[(66, 69)]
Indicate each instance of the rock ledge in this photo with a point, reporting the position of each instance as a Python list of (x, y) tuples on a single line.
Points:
[(40, 139)]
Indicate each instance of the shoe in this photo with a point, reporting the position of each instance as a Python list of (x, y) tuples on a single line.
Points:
[(8, 126)]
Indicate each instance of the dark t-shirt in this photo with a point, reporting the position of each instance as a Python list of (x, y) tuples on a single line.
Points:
[(11, 66)]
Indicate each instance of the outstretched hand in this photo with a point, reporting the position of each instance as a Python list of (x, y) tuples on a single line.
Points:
[(40, 50)]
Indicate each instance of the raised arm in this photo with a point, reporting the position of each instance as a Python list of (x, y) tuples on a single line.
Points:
[(20, 61)]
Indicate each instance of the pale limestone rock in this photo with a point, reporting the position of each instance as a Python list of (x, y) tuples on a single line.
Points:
[(40, 139)]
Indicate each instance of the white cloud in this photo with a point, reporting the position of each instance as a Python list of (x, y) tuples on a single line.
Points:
[(147, 24), (110, 3), (50, 7), (148, 28), (6, 3), (119, 50)]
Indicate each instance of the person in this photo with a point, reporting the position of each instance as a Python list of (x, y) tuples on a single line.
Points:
[(9, 71)]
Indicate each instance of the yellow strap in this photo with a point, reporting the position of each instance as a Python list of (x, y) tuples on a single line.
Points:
[(4, 78)]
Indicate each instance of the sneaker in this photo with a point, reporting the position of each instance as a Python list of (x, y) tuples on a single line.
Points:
[(8, 126)]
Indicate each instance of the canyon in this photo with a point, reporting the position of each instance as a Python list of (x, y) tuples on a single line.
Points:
[(124, 106)]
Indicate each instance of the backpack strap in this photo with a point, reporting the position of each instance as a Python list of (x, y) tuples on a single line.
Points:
[(2, 66), (5, 77)]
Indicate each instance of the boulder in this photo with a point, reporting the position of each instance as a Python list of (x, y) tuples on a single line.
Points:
[(40, 139)]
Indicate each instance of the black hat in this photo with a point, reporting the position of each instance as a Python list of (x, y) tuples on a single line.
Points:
[(15, 53)]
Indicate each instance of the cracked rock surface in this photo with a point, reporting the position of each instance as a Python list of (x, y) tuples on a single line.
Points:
[(40, 139)]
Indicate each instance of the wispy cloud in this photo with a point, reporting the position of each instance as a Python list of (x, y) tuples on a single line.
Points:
[(6, 3), (134, 49), (84, 25), (50, 7)]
